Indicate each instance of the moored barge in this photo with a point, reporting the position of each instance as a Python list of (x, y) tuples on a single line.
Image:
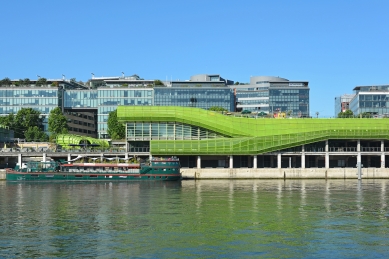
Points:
[(162, 169)]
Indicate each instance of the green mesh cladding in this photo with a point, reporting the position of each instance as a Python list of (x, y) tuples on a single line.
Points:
[(67, 140), (249, 136)]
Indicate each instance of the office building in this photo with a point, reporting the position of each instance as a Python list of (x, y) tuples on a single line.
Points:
[(271, 95), (371, 99)]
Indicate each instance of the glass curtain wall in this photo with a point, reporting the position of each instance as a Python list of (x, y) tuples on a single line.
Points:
[(201, 97), (109, 99), (168, 131)]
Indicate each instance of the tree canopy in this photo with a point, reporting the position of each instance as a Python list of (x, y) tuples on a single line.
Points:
[(57, 123), (27, 123), (346, 114), (115, 130), (41, 81), (158, 82)]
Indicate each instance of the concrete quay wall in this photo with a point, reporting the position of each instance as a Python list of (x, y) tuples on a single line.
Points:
[(275, 173), (283, 173)]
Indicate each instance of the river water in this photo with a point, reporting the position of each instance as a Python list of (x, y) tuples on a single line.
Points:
[(196, 219)]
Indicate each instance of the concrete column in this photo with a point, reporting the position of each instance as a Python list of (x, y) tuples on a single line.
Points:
[(279, 160), (327, 156), (69, 158), (368, 161), (20, 160), (126, 156), (255, 160), (382, 160), (359, 158), (44, 157), (382, 154), (231, 162), (198, 162), (303, 156)]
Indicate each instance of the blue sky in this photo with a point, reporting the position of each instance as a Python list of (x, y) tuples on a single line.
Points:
[(335, 45)]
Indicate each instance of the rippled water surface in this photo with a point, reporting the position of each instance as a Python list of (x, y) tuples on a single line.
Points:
[(195, 219)]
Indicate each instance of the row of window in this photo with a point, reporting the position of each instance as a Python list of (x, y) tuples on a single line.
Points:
[(167, 131)]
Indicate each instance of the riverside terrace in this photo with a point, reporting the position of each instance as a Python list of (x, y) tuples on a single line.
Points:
[(212, 145)]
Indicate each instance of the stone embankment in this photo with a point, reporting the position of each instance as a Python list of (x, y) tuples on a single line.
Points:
[(275, 173), (283, 173)]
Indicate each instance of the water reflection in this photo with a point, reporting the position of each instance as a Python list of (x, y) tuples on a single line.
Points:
[(204, 218)]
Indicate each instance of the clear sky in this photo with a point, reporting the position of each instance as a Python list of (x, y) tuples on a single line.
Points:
[(334, 44)]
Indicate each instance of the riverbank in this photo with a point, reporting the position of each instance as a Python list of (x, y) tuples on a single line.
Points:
[(276, 173), (283, 173)]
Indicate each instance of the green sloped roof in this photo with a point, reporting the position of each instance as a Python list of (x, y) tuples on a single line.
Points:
[(66, 140), (249, 135)]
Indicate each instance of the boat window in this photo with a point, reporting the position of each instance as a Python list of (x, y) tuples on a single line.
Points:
[(34, 175)]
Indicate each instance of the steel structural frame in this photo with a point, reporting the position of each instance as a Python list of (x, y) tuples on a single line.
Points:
[(249, 136)]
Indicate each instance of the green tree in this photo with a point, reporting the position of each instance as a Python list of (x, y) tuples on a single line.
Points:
[(116, 130), (35, 134), (217, 109), (158, 82), (41, 81), (346, 114), (8, 120), (57, 123), (26, 81), (6, 82), (24, 119)]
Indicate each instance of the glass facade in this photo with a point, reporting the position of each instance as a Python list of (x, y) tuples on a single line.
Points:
[(167, 131), (374, 103), (80, 99), (41, 99), (291, 100), (109, 99), (201, 97)]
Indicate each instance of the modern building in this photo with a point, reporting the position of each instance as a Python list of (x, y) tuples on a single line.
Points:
[(272, 95), (87, 107), (342, 103), (371, 99), (207, 139)]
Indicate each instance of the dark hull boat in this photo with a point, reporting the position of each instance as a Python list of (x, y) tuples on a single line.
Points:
[(162, 169)]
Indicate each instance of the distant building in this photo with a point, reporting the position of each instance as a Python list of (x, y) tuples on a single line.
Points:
[(270, 94), (342, 103), (371, 99)]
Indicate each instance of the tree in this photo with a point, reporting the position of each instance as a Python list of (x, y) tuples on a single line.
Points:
[(26, 81), (41, 81), (57, 123), (158, 82), (8, 120), (346, 114), (35, 134), (6, 81), (116, 130), (24, 119), (217, 109)]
